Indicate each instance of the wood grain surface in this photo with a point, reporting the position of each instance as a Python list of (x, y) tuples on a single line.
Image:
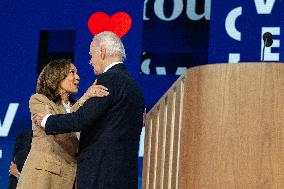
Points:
[(220, 126)]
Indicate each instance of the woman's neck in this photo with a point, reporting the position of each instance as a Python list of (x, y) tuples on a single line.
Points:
[(65, 97)]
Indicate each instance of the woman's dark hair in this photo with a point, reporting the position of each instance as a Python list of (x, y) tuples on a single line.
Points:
[(50, 78)]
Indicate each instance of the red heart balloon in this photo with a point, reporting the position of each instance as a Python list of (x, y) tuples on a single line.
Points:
[(119, 23)]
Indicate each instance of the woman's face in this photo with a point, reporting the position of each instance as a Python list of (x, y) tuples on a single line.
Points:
[(70, 84)]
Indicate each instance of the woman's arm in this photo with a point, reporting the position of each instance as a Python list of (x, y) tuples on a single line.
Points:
[(93, 91)]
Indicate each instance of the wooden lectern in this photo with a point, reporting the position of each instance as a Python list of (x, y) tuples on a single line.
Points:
[(220, 126)]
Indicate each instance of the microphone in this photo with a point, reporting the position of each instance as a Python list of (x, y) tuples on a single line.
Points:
[(267, 39)]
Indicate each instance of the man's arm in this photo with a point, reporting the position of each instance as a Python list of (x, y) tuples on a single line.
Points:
[(84, 117)]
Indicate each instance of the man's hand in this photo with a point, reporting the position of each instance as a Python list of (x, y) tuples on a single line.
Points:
[(38, 117), (14, 170)]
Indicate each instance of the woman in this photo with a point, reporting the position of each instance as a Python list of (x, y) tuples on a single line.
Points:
[(51, 163)]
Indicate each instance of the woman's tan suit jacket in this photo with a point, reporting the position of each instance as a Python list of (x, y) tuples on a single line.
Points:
[(51, 163)]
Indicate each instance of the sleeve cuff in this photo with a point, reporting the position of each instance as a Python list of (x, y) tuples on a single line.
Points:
[(43, 122)]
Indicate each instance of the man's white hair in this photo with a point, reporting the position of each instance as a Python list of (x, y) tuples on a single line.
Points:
[(111, 42)]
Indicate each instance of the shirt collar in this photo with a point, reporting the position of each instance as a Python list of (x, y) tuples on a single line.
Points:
[(111, 65), (66, 105)]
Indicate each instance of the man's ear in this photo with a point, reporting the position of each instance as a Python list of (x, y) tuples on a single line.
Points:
[(103, 52)]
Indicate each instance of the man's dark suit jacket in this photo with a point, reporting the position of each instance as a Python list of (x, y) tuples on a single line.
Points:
[(21, 150), (110, 130)]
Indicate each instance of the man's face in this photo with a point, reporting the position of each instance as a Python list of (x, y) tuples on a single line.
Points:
[(96, 60)]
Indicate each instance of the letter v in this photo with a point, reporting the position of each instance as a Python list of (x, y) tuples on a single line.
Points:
[(8, 120), (264, 6)]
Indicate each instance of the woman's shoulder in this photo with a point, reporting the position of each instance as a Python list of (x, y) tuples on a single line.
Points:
[(40, 98)]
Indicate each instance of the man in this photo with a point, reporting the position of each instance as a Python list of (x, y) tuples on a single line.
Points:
[(110, 126), (20, 153)]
